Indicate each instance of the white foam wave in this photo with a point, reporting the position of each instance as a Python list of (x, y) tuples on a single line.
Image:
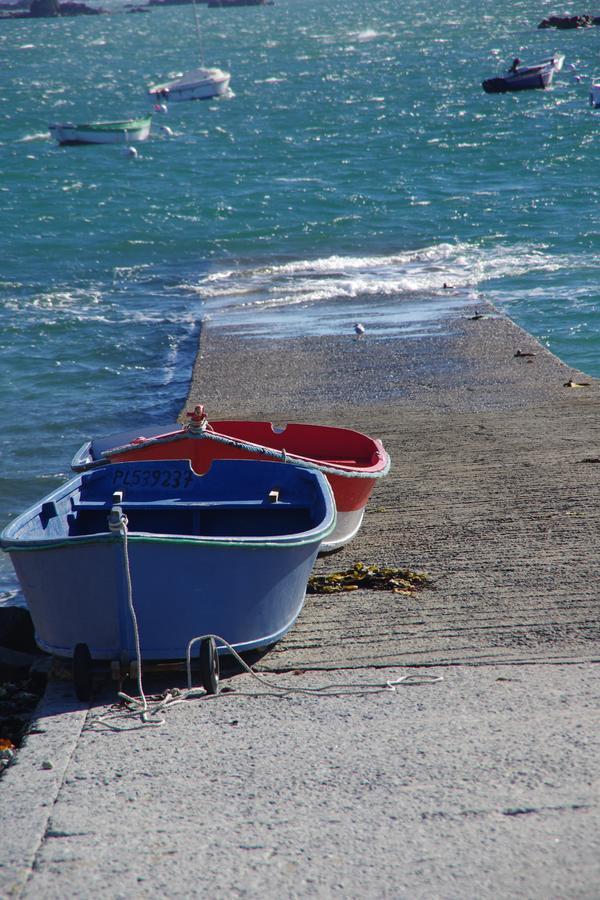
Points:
[(36, 136), (171, 364), (67, 300), (220, 276), (369, 34), (130, 273), (422, 272)]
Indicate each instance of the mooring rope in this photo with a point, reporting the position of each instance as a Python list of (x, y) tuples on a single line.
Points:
[(118, 524), (148, 713)]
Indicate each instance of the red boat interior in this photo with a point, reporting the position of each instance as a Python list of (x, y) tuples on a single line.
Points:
[(329, 446)]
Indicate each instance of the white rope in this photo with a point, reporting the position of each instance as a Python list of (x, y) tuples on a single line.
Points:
[(134, 622), (118, 524), (147, 714), (327, 690)]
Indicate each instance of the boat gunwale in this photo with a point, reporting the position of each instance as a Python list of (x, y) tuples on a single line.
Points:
[(299, 539), (167, 85), (121, 125), (375, 470)]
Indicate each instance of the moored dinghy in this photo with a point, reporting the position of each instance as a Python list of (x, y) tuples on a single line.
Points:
[(352, 461), (126, 131), (226, 553)]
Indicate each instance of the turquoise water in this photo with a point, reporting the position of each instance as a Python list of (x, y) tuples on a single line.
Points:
[(356, 166)]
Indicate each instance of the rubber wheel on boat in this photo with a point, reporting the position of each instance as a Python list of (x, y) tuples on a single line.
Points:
[(209, 665), (82, 672)]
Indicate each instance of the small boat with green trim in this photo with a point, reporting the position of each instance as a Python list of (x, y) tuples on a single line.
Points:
[(127, 131), (136, 560)]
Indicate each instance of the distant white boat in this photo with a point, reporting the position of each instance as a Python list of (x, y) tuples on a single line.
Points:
[(595, 94), (123, 132), (198, 84)]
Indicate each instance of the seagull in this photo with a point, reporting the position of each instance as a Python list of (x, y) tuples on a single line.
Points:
[(359, 328)]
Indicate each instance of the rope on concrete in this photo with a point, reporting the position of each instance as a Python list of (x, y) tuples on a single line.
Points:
[(152, 714), (325, 690)]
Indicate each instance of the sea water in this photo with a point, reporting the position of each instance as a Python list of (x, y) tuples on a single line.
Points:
[(355, 167)]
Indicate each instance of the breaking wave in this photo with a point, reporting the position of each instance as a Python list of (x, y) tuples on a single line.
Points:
[(426, 272)]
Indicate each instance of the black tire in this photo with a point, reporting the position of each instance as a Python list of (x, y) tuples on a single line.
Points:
[(82, 672), (209, 665)]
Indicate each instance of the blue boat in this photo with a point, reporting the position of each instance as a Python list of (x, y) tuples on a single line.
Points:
[(226, 553)]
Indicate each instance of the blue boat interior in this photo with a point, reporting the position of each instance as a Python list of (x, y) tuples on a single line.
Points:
[(233, 499), (229, 520)]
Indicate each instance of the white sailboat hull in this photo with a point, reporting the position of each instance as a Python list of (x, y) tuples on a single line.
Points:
[(199, 84)]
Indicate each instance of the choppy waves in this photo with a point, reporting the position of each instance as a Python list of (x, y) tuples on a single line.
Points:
[(360, 285)]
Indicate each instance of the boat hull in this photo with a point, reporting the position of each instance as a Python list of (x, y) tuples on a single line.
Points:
[(351, 461), (102, 132), (79, 595), (228, 553), (211, 83), (540, 78)]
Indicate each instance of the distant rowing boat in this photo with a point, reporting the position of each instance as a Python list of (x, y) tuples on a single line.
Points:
[(124, 132)]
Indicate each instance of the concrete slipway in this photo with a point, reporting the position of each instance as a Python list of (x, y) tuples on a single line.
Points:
[(483, 784)]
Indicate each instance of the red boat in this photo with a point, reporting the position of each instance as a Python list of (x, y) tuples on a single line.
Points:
[(352, 461)]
